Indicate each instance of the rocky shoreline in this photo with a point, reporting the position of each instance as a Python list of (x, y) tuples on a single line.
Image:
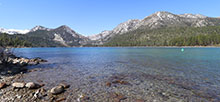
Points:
[(14, 65), (80, 86), (13, 91)]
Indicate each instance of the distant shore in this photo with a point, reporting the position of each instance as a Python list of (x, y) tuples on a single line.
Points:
[(130, 47)]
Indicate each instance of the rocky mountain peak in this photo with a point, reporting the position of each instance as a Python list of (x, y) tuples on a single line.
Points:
[(160, 19), (162, 15), (67, 36), (66, 29), (39, 28)]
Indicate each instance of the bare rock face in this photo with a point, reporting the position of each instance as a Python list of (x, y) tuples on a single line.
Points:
[(18, 85)]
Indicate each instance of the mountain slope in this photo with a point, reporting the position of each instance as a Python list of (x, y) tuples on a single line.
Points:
[(104, 36), (169, 36), (41, 36), (156, 21), (61, 36), (7, 40), (160, 28)]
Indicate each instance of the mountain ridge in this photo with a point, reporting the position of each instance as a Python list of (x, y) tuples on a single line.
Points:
[(158, 20), (65, 36), (185, 15)]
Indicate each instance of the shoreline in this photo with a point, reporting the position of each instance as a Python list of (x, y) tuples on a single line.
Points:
[(126, 47), (105, 84)]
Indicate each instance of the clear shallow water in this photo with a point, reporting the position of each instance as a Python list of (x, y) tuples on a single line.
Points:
[(194, 69)]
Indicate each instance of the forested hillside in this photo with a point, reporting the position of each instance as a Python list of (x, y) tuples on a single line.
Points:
[(19, 40), (13, 41), (40, 38), (169, 36), (173, 36)]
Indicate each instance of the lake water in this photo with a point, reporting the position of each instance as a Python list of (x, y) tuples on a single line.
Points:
[(154, 74)]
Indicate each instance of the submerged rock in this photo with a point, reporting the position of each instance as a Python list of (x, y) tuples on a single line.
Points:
[(40, 93), (115, 82), (139, 100), (57, 90), (18, 85), (38, 60), (3, 85), (108, 84), (118, 97), (120, 82), (65, 85), (83, 98), (32, 85), (61, 99), (18, 96)]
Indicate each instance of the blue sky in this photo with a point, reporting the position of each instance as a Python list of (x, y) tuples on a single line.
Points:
[(93, 16)]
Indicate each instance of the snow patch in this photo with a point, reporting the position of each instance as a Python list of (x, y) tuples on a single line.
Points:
[(13, 31)]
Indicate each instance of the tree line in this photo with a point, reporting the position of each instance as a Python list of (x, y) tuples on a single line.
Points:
[(173, 36), (13, 41), (199, 40)]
